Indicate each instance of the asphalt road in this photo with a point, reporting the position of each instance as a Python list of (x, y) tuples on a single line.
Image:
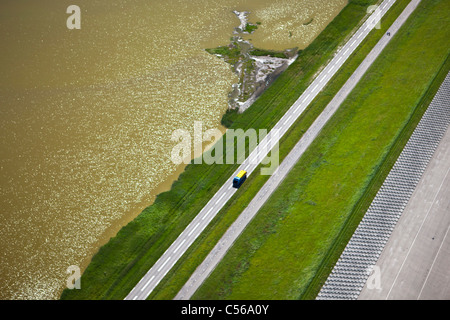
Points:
[(415, 261), (157, 272)]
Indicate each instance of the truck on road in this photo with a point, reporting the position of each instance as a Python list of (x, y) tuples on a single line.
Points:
[(239, 179)]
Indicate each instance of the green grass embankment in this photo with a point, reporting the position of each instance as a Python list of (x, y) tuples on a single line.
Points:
[(121, 263), (289, 248)]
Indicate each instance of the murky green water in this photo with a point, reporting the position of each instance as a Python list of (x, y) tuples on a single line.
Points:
[(87, 115)]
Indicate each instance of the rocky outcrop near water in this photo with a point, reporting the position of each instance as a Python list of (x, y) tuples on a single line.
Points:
[(256, 68)]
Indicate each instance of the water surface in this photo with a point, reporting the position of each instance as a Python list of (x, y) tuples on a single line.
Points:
[(87, 115)]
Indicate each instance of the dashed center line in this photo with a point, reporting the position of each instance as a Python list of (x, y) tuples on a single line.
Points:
[(220, 198), (193, 230), (179, 246), (163, 264), (143, 288), (209, 211)]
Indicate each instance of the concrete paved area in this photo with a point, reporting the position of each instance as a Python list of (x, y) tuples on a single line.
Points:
[(415, 263)]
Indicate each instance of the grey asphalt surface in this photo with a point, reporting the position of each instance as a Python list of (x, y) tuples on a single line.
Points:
[(157, 272), (416, 260), (219, 251)]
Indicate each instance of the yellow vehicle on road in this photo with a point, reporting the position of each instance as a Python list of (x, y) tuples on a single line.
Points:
[(239, 179)]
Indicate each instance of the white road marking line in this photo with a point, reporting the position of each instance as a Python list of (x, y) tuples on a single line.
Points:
[(209, 211), (143, 288), (268, 141), (432, 265), (220, 198), (332, 67), (284, 123), (192, 230), (179, 246), (164, 264)]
